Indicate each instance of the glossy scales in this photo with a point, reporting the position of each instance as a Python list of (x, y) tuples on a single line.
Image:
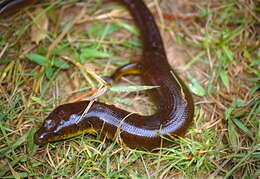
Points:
[(173, 99)]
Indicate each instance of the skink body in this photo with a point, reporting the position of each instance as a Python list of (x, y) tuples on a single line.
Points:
[(173, 100)]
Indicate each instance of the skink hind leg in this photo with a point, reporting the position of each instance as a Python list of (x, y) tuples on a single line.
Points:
[(10, 6), (129, 69)]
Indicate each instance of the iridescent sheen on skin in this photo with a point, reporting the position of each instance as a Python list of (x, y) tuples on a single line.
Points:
[(174, 102)]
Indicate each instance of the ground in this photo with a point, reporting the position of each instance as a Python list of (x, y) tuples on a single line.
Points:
[(53, 53)]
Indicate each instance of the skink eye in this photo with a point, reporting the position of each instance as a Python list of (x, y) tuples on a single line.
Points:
[(62, 122), (48, 124)]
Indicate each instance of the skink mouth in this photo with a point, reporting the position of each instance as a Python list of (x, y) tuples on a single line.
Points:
[(40, 137), (38, 140)]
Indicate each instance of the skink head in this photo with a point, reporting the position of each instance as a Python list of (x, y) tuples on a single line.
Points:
[(64, 122)]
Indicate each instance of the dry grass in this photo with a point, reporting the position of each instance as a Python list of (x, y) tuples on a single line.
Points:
[(214, 45)]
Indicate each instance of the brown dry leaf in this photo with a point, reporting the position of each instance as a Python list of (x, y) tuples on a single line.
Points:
[(40, 26)]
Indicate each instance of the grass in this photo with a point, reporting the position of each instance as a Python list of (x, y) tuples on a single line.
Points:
[(213, 45)]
